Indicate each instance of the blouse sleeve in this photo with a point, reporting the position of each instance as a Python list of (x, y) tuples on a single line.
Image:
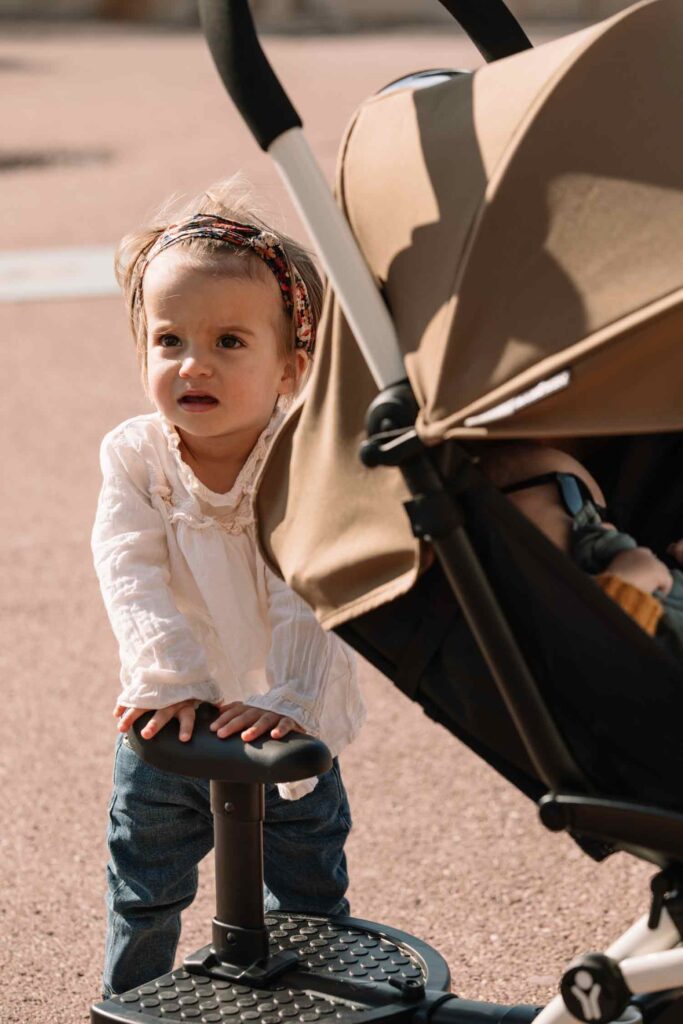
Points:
[(161, 661), (309, 670)]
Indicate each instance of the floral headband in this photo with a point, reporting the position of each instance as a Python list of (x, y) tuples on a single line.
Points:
[(264, 243)]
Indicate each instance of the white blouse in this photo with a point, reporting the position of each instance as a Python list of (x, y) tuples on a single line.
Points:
[(195, 610)]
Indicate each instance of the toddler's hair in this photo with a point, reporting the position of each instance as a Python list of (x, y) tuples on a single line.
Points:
[(230, 199)]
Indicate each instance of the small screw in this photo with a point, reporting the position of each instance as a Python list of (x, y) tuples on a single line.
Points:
[(228, 807), (230, 938)]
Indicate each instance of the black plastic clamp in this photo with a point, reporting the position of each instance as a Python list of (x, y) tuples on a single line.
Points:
[(391, 448), (261, 973), (432, 515), (411, 989), (432, 1002), (594, 989), (389, 424), (667, 894), (393, 407)]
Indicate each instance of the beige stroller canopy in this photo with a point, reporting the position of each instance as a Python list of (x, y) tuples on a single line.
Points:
[(525, 224)]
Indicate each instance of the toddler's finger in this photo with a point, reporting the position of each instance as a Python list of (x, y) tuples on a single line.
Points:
[(156, 722), (284, 726), (263, 723), (666, 581), (227, 713), (236, 723), (676, 550), (223, 706), (129, 716), (186, 718)]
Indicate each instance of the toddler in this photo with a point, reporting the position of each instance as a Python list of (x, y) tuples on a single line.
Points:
[(561, 497), (224, 314)]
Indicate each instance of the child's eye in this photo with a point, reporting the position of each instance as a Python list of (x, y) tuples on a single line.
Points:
[(230, 341), (168, 341)]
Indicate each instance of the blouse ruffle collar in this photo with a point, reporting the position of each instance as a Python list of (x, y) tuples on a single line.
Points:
[(243, 486)]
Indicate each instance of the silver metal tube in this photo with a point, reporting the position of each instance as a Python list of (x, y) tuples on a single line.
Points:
[(358, 294), (640, 939), (654, 972)]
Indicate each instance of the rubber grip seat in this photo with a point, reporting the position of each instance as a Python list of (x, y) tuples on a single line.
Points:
[(206, 756)]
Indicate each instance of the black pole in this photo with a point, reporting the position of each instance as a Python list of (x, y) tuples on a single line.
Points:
[(493, 29), (255, 88), (436, 516), (546, 748), (239, 933), (247, 75)]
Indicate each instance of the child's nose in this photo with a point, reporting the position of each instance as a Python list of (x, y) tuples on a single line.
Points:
[(195, 366)]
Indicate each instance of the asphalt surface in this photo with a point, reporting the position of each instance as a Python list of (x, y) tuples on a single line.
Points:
[(101, 124)]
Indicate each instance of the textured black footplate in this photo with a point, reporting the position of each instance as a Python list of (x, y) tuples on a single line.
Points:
[(332, 948)]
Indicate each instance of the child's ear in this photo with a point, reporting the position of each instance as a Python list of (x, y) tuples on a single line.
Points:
[(294, 370)]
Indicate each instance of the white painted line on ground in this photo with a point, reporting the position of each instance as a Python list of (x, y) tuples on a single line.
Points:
[(30, 274)]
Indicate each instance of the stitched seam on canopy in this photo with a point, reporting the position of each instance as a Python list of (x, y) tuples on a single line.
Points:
[(614, 332)]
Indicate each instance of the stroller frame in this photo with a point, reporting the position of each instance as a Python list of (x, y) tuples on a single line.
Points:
[(640, 977)]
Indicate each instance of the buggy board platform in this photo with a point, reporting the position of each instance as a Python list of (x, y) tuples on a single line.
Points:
[(334, 955)]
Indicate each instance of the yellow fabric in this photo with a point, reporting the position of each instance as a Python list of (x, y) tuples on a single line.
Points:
[(643, 608)]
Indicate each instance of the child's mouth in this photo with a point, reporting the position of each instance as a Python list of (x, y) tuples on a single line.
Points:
[(197, 403)]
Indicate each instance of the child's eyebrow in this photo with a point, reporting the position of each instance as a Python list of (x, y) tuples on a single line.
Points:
[(235, 327), (164, 326)]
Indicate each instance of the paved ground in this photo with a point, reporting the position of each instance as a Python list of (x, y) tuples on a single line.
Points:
[(100, 124)]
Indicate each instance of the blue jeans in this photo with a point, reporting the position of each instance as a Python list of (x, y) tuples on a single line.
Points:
[(161, 827)]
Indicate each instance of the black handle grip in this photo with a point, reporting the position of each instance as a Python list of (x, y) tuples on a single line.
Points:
[(255, 88), (493, 29), (244, 68)]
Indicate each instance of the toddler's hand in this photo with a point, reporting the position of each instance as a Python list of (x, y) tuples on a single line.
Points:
[(643, 569), (676, 550), (251, 722), (184, 711)]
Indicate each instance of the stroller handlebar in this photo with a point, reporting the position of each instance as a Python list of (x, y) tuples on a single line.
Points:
[(255, 88), (493, 28), (244, 68)]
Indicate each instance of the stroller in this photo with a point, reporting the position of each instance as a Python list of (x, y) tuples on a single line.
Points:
[(521, 231)]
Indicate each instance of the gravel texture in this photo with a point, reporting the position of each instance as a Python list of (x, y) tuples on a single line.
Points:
[(442, 847)]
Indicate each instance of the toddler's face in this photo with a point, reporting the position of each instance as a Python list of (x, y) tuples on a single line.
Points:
[(214, 352)]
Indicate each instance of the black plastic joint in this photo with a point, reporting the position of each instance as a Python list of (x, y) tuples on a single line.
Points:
[(667, 893), (411, 989), (239, 945), (391, 449), (430, 1006), (594, 989), (245, 70), (432, 515), (552, 814), (393, 408)]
